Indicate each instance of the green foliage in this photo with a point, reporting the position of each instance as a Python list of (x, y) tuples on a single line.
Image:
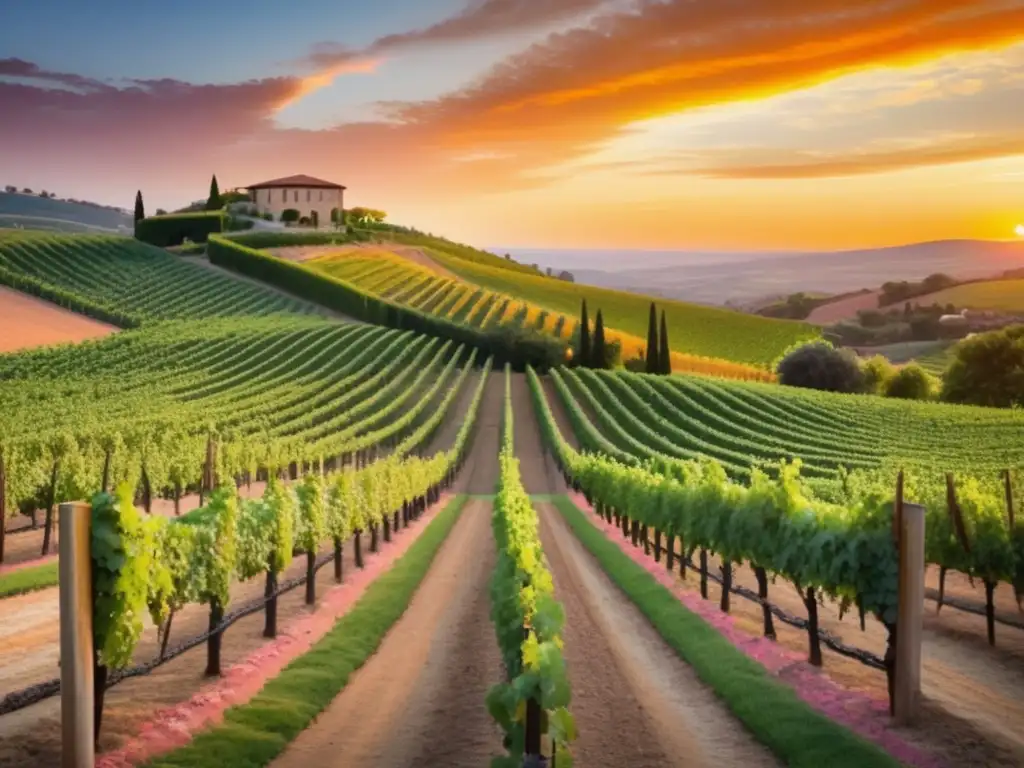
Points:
[(583, 353), (818, 365), (774, 523), (877, 372), (254, 733), (912, 382), (527, 618), (290, 215), (214, 201), (140, 209), (988, 369), (770, 709), (599, 353), (175, 228), (653, 350), (312, 527), (665, 352), (122, 555)]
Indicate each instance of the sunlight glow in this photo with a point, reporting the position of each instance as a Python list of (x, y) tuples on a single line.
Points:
[(1019, 230)]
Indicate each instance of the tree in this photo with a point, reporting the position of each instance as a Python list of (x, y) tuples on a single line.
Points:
[(214, 201), (819, 365), (362, 215), (583, 358), (161, 212), (44, 194), (140, 209), (10, 189), (290, 215), (27, 191), (599, 354), (878, 372), (664, 352), (988, 369), (911, 382), (653, 363)]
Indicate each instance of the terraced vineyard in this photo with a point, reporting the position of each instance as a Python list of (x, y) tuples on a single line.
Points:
[(404, 282), (123, 281), (693, 330)]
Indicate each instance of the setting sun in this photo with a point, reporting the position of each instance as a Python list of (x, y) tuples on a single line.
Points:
[(1019, 230)]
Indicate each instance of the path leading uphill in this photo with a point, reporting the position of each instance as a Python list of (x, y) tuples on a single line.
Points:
[(420, 699), (634, 700)]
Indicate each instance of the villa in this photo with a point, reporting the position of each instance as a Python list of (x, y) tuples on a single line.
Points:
[(311, 197)]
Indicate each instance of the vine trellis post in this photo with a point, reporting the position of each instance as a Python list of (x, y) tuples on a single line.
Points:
[(78, 660), (908, 530)]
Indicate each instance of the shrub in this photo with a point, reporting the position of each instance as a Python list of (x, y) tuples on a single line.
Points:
[(163, 231), (268, 216), (819, 365), (290, 215), (878, 372), (988, 369), (912, 382)]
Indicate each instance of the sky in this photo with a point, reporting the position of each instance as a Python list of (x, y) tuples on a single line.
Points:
[(625, 124)]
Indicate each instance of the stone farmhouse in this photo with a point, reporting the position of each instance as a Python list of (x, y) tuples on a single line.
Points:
[(313, 198)]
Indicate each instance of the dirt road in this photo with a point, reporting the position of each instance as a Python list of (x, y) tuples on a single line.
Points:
[(419, 700)]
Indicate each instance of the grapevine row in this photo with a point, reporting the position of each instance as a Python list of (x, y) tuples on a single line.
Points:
[(527, 619)]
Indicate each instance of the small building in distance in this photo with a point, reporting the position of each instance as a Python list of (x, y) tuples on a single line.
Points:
[(313, 198)]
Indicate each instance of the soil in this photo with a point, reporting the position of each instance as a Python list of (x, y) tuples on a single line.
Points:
[(971, 690), (26, 322), (419, 700), (635, 701), (844, 309)]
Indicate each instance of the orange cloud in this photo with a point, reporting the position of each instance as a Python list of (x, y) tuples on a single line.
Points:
[(583, 86), (326, 76), (962, 150)]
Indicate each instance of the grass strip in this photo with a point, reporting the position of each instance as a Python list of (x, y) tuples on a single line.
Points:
[(28, 580), (254, 733), (796, 732)]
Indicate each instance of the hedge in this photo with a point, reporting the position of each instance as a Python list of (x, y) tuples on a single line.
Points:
[(515, 346), (173, 228), (271, 239)]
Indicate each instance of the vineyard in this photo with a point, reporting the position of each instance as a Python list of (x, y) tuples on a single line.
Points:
[(694, 330), (315, 541)]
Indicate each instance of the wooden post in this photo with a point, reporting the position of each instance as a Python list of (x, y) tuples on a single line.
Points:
[(78, 748), (907, 693)]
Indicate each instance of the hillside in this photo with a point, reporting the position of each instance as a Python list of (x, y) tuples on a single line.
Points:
[(996, 295), (692, 329), (433, 282), (738, 278), (34, 212)]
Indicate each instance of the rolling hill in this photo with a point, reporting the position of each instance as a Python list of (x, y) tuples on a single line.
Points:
[(24, 211)]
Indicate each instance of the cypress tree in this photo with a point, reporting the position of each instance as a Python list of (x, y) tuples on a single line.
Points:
[(140, 210), (583, 358), (598, 353), (653, 362), (664, 355), (214, 203)]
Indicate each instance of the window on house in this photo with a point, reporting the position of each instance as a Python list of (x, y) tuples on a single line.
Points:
[(296, 195), (309, 194)]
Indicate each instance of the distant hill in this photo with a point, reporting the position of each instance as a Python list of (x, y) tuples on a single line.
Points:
[(34, 212), (738, 278)]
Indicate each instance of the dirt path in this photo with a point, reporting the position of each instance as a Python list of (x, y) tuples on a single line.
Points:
[(26, 321), (635, 702), (420, 699), (480, 475), (540, 475)]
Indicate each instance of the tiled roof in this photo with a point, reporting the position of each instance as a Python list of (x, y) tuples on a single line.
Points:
[(300, 180)]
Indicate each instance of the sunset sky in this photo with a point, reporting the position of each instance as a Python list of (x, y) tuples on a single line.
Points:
[(690, 124)]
